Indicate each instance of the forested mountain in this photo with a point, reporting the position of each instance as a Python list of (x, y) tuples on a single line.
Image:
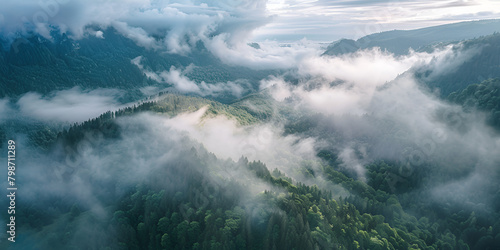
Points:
[(400, 41), (40, 65), (471, 61), (478, 61), (196, 200)]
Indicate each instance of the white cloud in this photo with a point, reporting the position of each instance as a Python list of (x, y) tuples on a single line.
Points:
[(347, 88), (183, 84), (377, 110), (347, 84), (152, 75), (173, 25), (99, 34), (271, 55), (226, 139), (180, 81), (73, 105)]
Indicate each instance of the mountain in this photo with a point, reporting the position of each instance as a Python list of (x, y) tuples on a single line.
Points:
[(476, 60), (196, 200), (400, 41), (40, 65)]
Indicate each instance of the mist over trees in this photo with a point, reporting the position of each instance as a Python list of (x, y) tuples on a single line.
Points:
[(193, 199), (166, 128)]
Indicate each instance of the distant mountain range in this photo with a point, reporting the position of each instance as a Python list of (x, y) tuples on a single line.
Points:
[(400, 41), (480, 39)]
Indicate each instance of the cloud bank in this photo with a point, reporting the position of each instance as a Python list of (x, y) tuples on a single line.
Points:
[(179, 80), (375, 109), (174, 25), (73, 105)]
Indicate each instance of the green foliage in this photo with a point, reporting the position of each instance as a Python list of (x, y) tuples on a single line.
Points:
[(483, 65), (442, 227), (304, 217), (484, 97)]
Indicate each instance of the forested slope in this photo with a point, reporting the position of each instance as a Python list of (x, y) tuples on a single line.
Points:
[(40, 65), (483, 64), (484, 96), (198, 201)]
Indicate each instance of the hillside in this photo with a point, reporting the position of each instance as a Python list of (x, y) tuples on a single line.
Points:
[(39, 65), (196, 199), (200, 201), (484, 97), (482, 63)]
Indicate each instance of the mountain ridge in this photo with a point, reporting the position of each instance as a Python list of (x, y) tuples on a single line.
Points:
[(400, 41)]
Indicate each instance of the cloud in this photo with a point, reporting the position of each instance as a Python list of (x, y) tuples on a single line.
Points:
[(97, 172), (152, 75), (99, 34), (174, 25), (270, 55), (149, 90), (180, 81), (151, 149), (224, 27), (447, 62), (73, 105), (375, 109), (262, 142), (346, 84), (149, 142), (152, 143)]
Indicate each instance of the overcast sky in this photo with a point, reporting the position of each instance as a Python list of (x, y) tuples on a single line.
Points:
[(327, 20), (234, 21)]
